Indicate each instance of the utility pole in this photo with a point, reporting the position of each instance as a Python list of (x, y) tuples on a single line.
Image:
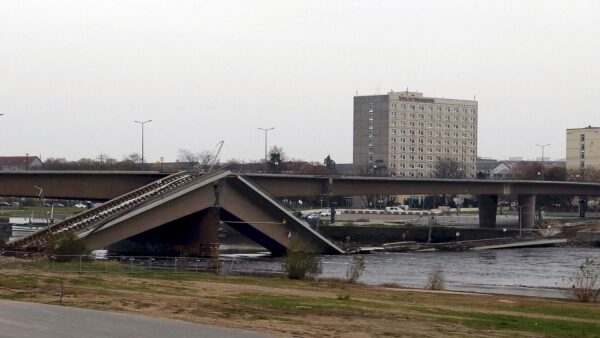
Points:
[(266, 130), (141, 123), (542, 146), (43, 203)]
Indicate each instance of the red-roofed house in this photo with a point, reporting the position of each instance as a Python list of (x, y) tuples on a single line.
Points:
[(20, 162)]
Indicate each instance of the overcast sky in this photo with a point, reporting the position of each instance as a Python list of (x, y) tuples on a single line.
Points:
[(75, 74)]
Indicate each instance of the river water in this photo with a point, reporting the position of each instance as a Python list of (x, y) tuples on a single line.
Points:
[(532, 272)]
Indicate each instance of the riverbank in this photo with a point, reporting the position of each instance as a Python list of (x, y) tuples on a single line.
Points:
[(281, 307)]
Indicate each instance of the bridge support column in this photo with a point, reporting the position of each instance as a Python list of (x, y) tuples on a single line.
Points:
[(488, 205), (582, 207), (526, 204), (208, 232)]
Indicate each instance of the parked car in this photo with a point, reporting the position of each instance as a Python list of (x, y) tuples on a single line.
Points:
[(314, 215), (80, 205), (4, 204), (15, 204), (393, 209), (325, 213), (58, 205)]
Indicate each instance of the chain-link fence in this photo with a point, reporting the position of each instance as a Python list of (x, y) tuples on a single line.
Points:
[(149, 264)]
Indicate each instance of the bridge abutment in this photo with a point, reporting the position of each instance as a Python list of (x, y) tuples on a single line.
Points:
[(526, 205), (488, 205)]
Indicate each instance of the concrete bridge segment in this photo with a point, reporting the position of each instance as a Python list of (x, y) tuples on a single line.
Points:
[(205, 200), (253, 196)]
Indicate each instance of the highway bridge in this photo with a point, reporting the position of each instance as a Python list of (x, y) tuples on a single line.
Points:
[(189, 206)]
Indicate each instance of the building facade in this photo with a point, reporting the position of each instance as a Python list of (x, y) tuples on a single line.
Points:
[(583, 148), (405, 133)]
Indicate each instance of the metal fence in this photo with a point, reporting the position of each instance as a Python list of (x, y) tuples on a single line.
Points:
[(148, 264)]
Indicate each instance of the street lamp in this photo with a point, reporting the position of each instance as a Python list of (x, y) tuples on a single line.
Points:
[(141, 123), (266, 130), (542, 146)]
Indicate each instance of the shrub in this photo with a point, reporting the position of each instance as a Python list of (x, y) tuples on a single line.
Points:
[(435, 280), (584, 285), (355, 269), (66, 244), (299, 264)]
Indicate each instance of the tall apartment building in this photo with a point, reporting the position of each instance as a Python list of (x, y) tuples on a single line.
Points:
[(583, 148), (405, 133)]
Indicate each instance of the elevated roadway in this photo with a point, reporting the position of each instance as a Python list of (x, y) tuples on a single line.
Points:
[(101, 185), (105, 185)]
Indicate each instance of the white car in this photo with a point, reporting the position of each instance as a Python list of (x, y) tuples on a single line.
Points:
[(80, 205), (393, 209)]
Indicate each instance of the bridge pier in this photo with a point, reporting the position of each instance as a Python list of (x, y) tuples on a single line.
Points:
[(208, 232), (488, 205), (526, 205), (582, 207)]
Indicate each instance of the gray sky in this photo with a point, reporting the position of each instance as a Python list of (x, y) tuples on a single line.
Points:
[(75, 74)]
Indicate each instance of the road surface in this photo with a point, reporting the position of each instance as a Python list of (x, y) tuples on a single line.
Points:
[(19, 319)]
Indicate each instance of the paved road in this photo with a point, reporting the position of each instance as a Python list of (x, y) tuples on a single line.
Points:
[(19, 319)]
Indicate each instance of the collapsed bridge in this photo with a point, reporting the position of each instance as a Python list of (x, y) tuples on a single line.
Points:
[(188, 207)]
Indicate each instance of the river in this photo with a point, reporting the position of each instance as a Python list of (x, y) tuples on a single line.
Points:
[(531, 272)]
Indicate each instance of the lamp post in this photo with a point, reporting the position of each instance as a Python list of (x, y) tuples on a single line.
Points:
[(141, 123), (266, 130), (542, 146)]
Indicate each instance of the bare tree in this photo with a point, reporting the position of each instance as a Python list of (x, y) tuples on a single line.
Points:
[(133, 157), (436, 280), (205, 158), (276, 158), (330, 164), (448, 168), (187, 158), (583, 175)]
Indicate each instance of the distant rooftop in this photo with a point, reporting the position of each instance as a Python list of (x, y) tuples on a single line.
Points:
[(415, 96), (588, 127)]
